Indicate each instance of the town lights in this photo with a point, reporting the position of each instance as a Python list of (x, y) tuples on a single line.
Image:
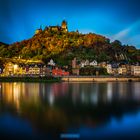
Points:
[(15, 67)]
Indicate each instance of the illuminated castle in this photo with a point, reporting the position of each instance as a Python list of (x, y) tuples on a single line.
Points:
[(63, 28)]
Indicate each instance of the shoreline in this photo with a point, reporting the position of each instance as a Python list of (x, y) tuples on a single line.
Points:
[(100, 79), (71, 79), (30, 79)]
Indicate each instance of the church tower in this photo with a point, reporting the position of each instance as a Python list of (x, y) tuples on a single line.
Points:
[(64, 26)]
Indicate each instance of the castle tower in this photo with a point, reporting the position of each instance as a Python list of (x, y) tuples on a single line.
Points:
[(64, 26), (38, 30)]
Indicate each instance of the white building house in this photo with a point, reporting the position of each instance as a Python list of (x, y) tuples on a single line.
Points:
[(51, 63), (87, 63), (122, 70), (135, 70), (109, 68), (93, 63), (84, 63)]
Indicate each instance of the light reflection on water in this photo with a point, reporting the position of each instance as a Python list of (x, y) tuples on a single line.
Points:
[(93, 110)]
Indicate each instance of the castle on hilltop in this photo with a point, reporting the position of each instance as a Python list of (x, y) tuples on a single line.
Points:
[(63, 28)]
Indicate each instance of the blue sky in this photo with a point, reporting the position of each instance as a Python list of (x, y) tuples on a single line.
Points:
[(116, 19)]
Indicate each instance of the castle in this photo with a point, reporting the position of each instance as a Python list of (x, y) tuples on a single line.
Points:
[(63, 28)]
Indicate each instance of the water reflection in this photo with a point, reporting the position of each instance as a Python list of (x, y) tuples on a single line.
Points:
[(76, 92), (63, 107)]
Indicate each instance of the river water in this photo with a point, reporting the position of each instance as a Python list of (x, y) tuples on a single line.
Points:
[(50, 111)]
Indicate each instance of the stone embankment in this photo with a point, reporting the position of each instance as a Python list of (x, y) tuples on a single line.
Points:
[(99, 79)]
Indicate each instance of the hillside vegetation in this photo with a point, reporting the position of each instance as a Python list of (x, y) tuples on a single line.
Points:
[(64, 46)]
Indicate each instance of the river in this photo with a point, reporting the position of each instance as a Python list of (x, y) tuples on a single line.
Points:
[(49, 111)]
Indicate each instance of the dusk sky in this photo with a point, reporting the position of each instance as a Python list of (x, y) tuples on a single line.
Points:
[(115, 19)]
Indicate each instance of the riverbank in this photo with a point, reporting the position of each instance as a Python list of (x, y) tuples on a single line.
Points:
[(70, 79), (99, 79), (30, 79)]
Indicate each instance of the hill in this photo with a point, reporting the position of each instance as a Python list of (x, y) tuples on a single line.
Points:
[(63, 46)]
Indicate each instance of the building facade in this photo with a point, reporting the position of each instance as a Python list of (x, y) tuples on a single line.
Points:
[(135, 70)]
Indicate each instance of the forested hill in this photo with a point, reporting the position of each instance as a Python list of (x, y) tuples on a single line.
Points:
[(64, 46), (3, 44)]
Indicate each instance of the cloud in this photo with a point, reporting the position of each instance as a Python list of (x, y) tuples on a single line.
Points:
[(125, 32), (129, 35), (121, 34)]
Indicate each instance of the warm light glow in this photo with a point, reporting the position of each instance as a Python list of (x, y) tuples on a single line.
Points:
[(15, 66)]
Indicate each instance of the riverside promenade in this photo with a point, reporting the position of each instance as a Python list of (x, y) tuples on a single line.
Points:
[(100, 79)]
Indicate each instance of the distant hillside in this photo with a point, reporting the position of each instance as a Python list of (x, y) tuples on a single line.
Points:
[(1, 43), (63, 46)]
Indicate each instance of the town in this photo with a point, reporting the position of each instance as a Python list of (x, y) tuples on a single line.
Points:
[(84, 68)]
